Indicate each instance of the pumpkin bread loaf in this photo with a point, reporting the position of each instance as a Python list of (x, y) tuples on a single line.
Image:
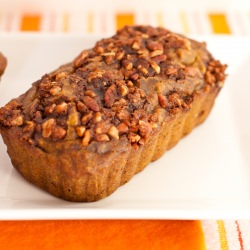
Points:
[(88, 127)]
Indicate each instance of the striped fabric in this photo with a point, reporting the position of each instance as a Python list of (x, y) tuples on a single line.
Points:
[(227, 234), (195, 22)]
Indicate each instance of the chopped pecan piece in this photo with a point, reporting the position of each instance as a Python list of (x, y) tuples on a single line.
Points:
[(127, 64), (156, 67), (99, 49), (160, 58), (153, 45), (175, 100), (133, 137), (123, 114), (55, 90), (111, 53), (102, 127), (50, 109), (143, 53), (29, 127), (86, 138), (171, 71), (120, 55), (90, 93), (17, 121), (86, 118), (28, 131), (156, 53), (73, 118), (122, 128), (136, 45), (142, 69), (163, 101), (61, 75), (134, 76), (144, 128), (210, 78), (98, 117), (123, 90), (95, 74), (110, 95), (58, 133), (80, 130), (102, 137), (61, 108), (81, 107), (81, 58), (47, 127), (109, 59), (113, 132), (91, 103), (130, 84)]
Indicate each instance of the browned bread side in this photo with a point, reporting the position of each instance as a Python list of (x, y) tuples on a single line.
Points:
[(87, 128)]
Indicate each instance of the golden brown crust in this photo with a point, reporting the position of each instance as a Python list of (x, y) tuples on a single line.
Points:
[(99, 120)]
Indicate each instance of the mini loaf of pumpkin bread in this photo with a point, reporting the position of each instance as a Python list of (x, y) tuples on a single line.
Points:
[(85, 129)]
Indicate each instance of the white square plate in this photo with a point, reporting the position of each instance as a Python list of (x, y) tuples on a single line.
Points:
[(207, 175)]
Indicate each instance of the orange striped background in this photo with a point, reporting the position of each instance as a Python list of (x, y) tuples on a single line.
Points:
[(217, 23)]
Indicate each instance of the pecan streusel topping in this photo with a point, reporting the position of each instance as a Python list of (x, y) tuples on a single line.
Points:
[(116, 89)]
